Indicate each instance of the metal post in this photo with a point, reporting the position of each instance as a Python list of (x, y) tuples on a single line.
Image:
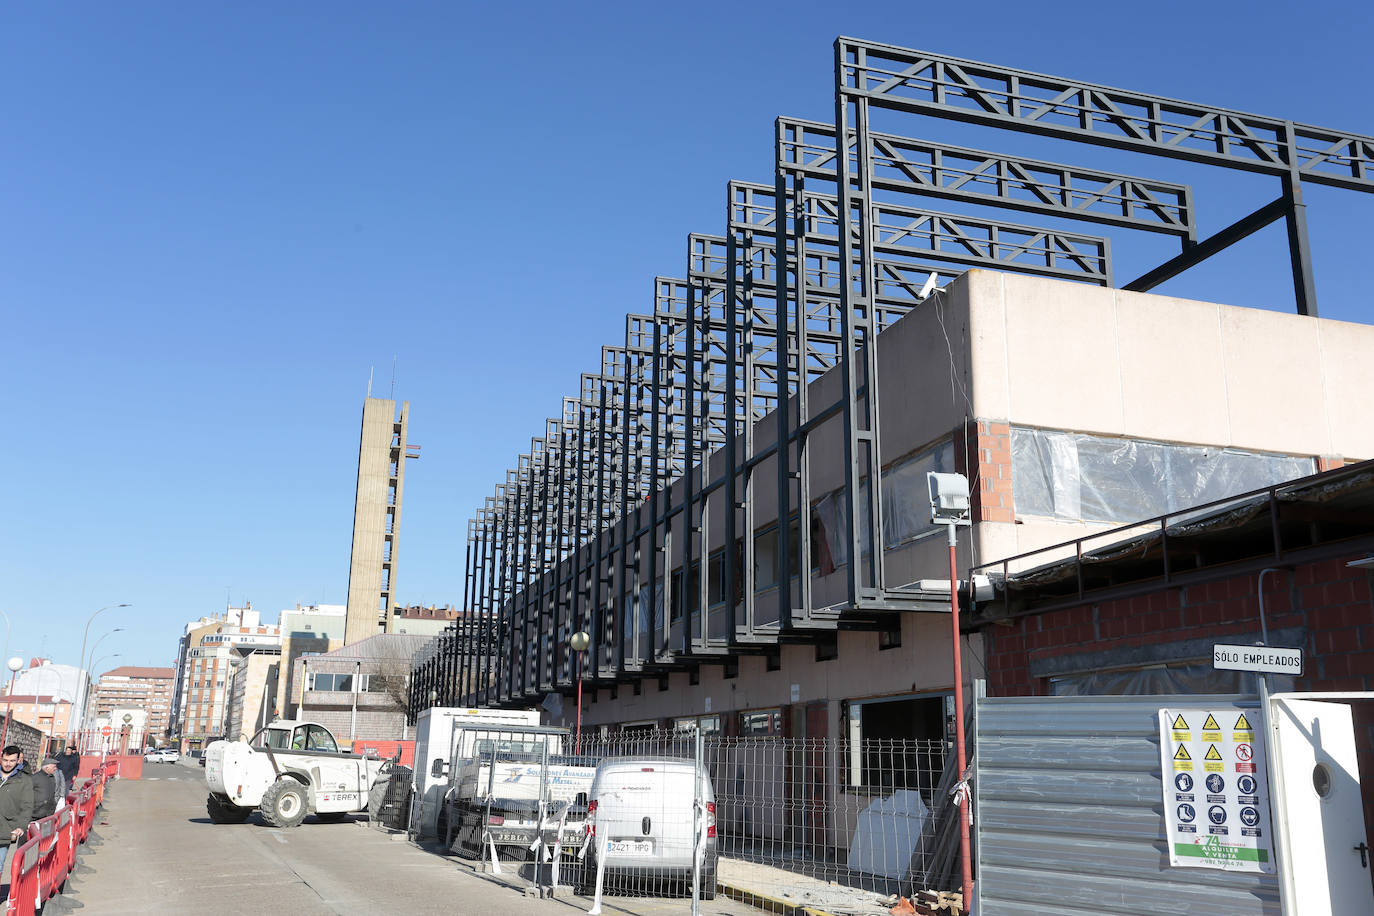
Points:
[(966, 865), (1278, 825)]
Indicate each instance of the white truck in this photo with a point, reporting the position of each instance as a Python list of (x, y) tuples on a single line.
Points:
[(509, 784), (436, 734), (289, 769)]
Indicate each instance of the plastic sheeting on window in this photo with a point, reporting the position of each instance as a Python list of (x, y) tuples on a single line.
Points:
[(1162, 680), (1095, 478), (906, 504)]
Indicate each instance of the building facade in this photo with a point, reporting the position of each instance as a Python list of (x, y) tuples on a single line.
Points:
[(50, 715), (382, 454), (423, 621), (359, 691), (204, 672), (307, 630), (1071, 409), (1140, 611), (129, 686), (252, 690)]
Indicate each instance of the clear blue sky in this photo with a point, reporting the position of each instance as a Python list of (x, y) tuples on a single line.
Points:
[(215, 220)]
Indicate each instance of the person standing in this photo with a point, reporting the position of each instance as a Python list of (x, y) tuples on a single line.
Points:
[(49, 789), (70, 764), (16, 805)]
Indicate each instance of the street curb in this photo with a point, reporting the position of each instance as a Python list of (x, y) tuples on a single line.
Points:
[(767, 903)]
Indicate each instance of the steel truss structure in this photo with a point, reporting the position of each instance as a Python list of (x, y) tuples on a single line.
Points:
[(640, 513)]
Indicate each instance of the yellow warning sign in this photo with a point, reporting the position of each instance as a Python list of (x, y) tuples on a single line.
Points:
[(1211, 761), (1182, 753), (1242, 723), (1212, 753), (1180, 725), (1211, 723)]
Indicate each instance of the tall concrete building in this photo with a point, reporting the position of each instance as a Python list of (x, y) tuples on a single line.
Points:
[(377, 518)]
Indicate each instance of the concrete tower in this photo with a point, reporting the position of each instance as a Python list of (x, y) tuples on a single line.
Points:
[(377, 519)]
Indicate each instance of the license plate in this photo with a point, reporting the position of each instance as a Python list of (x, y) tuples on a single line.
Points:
[(630, 847)]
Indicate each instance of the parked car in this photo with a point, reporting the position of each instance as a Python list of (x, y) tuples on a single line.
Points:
[(640, 815), (160, 755)]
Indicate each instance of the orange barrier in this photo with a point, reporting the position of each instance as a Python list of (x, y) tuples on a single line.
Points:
[(24, 879), (388, 750), (40, 866)]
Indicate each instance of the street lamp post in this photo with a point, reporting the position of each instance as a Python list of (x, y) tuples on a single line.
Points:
[(82, 657), (85, 701), (949, 506), (579, 643), (86, 673), (14, 664)]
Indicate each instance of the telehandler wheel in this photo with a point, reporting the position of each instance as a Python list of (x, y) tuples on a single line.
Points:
[(283, 804), (222, 812)]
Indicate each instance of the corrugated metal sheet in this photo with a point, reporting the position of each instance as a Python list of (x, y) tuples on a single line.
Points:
[(1069, 813)]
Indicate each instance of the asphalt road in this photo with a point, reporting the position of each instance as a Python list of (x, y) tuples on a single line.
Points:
[(161, 854)]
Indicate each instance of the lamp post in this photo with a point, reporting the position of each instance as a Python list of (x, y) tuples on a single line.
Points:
[(85, 705), (82, 657), (949, 506), (579, 643), (14, 665), (86, 673)]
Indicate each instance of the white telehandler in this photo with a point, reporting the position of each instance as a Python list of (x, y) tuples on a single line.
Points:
[(290, 769)]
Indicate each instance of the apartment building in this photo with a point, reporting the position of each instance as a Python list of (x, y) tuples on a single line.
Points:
[(205, 659), (134, 687)]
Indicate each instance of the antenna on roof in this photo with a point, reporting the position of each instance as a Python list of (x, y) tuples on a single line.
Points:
[(370, 370), (393, 378)]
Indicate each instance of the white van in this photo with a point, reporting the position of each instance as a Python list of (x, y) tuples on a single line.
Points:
[(640, 813)]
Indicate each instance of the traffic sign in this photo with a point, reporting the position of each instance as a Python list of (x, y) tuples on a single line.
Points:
[(105, 732), (1257, 658)]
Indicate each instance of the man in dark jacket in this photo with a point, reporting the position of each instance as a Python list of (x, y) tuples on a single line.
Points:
[(16, 804), (70, 764), (49, 786)]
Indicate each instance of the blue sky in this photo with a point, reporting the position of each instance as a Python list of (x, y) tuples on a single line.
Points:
[(216, 221)]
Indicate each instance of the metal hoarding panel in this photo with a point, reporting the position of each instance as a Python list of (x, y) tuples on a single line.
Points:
[(1069, 815)]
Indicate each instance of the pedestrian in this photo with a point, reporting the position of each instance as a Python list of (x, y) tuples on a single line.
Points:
[(70, 764), (49, 789), (16, 805)]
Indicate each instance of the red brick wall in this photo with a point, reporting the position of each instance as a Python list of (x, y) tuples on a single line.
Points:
[(988, 443), (1330, 599)]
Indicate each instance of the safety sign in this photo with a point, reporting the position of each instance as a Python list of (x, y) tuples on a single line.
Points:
[(1216, 800)]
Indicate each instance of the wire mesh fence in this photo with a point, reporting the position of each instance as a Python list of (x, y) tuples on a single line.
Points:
[(650, 812)]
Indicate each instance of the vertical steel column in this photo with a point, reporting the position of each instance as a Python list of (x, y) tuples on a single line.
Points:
[(862, 455)]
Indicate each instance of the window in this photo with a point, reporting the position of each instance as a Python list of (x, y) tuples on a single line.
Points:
[(338, 683), (898, 742), (1102, 479), (760, 722)]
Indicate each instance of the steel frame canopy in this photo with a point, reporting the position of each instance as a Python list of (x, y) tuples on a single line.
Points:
[(601, 525)]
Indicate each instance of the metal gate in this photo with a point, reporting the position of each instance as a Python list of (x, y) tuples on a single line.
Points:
[(1069, 813)]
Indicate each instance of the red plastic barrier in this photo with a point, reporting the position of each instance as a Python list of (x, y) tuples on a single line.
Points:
[(24, 879), (49, 858), (388, 749), (65, 847)]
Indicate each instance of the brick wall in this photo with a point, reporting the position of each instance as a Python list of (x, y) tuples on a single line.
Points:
[(988, 443), (1332, 601)]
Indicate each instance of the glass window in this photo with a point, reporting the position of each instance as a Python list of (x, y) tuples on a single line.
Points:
[(319, 739), (760, 722)]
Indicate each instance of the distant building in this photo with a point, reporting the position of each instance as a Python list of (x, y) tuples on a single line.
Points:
[(44, 677), (382, 451), (358, 691), (423, 621), (128, 727), (149, 689), (252, 690), (48, 714), (204, 660), (311, 629)]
